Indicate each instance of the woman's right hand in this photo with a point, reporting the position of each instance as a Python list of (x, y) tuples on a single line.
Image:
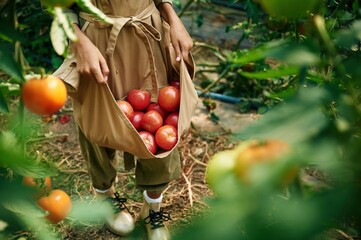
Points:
[(90, 62)]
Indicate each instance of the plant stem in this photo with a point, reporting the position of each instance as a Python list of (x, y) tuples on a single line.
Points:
[(186, 6), (210, 86)]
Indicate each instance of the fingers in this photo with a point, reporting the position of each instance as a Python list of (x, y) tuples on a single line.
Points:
[(186, 49), (104, 69), (183, 50), (96, 70), (177, 50)]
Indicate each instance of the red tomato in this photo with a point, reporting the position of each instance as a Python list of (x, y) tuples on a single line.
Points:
[(57, 204), (151, 121), (139, 99), (137, 119), (166, 137), (175, 83), (172, 119), (159, 109), (169, 98), (149, 141), (126, 108)]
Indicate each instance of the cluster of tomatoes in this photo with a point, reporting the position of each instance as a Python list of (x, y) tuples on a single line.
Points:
[(56, 203), (156, 122)]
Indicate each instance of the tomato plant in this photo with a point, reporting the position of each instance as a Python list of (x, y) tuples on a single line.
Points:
[(149, 141), (42, 186), (126, 108), (151, 121), (44, 96), (169, 98), (172, 119), (166, 137), (57, 204), (139, 99), (159, 109)]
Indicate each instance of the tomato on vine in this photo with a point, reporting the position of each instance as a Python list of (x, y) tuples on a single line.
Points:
[(42, 186), (57, 204), (44, 96)]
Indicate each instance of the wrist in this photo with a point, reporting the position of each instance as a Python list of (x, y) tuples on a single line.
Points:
[(167, 12)]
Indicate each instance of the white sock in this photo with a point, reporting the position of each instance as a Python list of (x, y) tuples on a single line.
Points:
[(152, 200), (102, 191)]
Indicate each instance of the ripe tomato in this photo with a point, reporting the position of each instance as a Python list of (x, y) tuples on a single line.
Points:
[(259, 152), (57, 3), (42, 186), (44, 96), (172, 119), (137, 120), (151, 121), (175, 83), (139, 99), (159, 109), (126, 108), (57, 204), (169, 98), (291, 9), (166, 137), (149, 141)]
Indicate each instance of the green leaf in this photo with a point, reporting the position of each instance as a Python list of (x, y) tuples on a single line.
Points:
[(14, 158), (64, 23), (255, 54), (294, 121), (352, 67), (58, 37), (8, 63), (87, 213), (32, 217), (348, 37), (8, 31), (3, 104), (87, 6), (272, 73), (294, 54)]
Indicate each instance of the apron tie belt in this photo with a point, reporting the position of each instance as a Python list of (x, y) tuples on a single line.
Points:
[(143, 30)]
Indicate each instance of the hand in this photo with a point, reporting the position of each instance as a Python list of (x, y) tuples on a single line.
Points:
[(181, 40), (90, 62)]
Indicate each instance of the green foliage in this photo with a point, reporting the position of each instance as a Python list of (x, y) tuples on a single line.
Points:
[(319, 117), (20, 22)]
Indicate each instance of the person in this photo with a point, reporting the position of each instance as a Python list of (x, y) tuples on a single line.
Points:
[(118, 57)]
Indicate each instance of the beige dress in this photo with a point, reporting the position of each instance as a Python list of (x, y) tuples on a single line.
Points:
[(138, 52)]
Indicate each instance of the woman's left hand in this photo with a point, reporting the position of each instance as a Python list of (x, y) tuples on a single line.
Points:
[(181, 40)]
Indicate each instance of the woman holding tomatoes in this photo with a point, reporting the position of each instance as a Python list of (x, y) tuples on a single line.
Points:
[(125, 56)]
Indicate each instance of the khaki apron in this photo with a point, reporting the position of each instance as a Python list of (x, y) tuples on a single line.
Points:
[(139, 54)]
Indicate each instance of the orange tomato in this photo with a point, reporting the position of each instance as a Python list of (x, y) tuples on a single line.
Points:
[(57, 204), (259, 152), (44, 96)]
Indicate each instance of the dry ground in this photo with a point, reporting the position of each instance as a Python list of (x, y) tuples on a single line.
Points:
[(184, 198)]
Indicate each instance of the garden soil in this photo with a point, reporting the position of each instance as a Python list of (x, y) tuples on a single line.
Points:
[(184, 199)]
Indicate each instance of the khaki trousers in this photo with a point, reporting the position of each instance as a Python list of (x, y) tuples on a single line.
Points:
[(150, 174)]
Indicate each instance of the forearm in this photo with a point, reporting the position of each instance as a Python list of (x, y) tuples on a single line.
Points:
[(167, 12)]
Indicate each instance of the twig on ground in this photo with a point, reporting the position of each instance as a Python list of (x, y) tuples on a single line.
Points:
[(190, 192)]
